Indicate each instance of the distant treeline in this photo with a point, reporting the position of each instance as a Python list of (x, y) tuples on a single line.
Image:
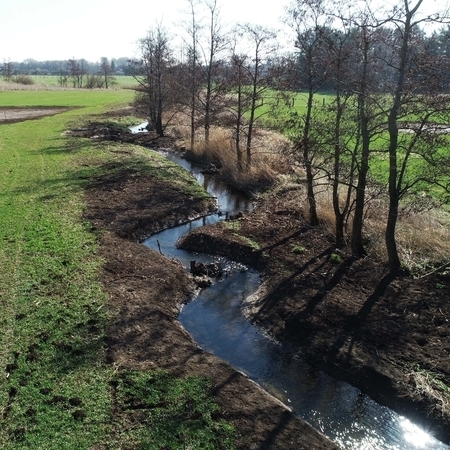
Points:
[(57, 67)]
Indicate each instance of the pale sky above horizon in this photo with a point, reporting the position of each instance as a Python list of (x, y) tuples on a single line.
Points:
[(89, 29)]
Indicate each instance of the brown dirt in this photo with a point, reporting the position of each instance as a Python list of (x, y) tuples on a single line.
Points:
[(146, 291), (18, 114), (382, 334)]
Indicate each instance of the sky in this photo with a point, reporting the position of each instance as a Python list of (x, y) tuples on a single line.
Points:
[(91, 29)]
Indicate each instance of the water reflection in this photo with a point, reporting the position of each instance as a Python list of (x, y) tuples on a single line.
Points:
[(229, 200), (415, 435), (342, 412), (141, 128)]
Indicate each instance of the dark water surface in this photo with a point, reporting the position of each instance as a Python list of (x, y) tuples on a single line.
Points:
[(215, 320)]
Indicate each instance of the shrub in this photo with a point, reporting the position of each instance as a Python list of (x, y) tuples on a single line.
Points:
[(24, 79)]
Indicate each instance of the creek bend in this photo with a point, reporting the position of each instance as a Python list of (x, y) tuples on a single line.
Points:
[(215, 321)]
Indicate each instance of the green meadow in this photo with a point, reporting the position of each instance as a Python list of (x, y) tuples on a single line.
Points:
[(55, 390), (287, 116), (54, 80)]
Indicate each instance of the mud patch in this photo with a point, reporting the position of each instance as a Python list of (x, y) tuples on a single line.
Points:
[(19, 114)]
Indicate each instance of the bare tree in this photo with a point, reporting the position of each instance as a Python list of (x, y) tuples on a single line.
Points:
[(363, 86), (339, 133), (158, 90), (308, 19), (8, 70), (239, 100), (62, 78), (76, 71), (194, 70), (203, 65), (106, 72), (263, 46), (407, 99), (253, 71)]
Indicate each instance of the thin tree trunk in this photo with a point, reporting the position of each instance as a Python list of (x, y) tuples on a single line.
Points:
[(313, 217), (338, 215), (251, 119), (358, 217), (395, 183), (238, 122)]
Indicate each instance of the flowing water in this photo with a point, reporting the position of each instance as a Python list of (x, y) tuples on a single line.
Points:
[(215, 320)]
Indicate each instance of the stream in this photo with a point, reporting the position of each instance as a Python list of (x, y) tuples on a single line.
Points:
[(215, 321)]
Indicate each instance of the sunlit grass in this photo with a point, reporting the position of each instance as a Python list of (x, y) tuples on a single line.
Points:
[(49, 290), (55, 389), (53, 81)]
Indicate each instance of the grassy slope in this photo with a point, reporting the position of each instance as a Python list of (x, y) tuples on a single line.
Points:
[(49, 293), (55, 391)]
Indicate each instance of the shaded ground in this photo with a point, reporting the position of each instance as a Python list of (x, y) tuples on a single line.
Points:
[(146, 291), (389, 337)]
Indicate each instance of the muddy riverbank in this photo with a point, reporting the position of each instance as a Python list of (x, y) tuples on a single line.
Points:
[(146, 292)]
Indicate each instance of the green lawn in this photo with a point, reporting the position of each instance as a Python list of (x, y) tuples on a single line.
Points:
[(55, 389), (53, 80)]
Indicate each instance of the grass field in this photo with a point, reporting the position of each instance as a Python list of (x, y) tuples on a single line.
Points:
[(53, 80), (55, 388)]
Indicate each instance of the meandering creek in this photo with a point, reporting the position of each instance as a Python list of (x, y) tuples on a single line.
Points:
[(214, 319)]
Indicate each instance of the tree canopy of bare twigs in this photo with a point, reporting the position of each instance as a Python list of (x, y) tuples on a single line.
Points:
[(386, 115), (158, 89)]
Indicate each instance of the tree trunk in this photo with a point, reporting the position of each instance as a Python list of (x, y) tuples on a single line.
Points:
[(358, 217), (238, 124), (338, 214), (313, 217), (395, 182), (251, 119), (391, 244)]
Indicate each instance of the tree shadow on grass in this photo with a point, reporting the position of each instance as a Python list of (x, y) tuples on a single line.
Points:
[(57, 187), (69, 146)]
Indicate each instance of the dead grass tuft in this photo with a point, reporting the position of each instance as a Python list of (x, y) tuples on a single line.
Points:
[(424, 240), (267, 161), (427, 385), (10, 86)]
